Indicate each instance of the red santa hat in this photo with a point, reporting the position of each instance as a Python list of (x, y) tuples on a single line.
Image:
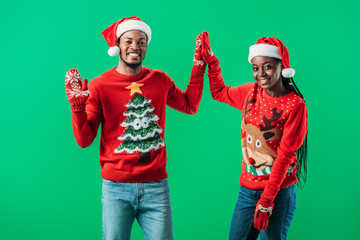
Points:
[(114, 32), (272, 47)]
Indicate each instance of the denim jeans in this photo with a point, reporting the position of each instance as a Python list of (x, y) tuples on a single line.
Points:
[(279, 222), (148, 202)]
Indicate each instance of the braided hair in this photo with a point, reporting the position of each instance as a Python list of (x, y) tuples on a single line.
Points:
[(301, 153)]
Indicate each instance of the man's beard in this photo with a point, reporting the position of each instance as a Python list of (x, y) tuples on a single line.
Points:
[(130, 65)]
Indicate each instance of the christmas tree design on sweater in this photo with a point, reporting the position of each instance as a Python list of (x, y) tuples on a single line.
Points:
[(142, 131)]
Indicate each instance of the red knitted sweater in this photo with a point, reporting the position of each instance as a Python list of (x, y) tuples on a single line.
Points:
[(131, 110), (272, 129)]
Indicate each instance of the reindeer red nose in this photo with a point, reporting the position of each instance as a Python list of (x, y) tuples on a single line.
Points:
[(251, 160)]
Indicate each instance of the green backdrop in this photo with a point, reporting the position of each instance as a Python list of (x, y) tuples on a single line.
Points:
[(51, 188)]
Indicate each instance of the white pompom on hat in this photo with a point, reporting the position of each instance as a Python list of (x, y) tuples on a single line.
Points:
[(272, 47), (114, 32)]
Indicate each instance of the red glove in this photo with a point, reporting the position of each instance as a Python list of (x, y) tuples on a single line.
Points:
[(198, 61), (208, 54), (265, 206), (199, 64), (76, 91)]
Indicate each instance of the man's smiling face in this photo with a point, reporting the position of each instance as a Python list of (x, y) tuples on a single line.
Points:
[(133, 45)]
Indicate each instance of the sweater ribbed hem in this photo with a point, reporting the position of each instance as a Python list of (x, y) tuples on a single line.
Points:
[(289, 180), (118, 176)]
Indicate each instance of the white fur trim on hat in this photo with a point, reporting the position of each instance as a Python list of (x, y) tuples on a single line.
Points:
[(134, 25), (288, 72), (265, 50), (114, 51)]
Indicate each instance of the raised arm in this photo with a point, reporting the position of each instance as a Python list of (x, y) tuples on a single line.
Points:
[(85, 114), (189, 101), (234, 96)]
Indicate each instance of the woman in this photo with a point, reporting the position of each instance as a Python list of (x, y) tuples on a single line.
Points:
[(273, 138)]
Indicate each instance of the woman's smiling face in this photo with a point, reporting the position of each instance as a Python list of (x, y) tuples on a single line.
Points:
[(267, 73)]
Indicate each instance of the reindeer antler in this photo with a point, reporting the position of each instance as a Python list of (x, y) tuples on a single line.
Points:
[(246, 105), (275, 116)]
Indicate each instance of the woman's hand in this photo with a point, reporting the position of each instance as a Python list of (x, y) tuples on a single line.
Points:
[(207, 53), (263, 212), (265, 206)]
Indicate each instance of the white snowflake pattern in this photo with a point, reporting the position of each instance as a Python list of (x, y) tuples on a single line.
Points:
[(73, 77), (198, 62), (77, 93), (196, 57), (198, 43), (210, 52)]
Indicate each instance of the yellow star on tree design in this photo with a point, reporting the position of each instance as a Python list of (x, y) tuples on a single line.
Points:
[(135, 88)]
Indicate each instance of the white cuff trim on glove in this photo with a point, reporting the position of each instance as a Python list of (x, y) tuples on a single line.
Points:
[(262, 209)]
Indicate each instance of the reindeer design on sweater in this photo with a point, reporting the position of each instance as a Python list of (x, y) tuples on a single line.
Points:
[(259, 157)]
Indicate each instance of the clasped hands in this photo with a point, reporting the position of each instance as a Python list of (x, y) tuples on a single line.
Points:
[(203, 53)]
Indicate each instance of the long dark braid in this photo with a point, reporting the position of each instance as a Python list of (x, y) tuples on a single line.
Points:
[(301, 153)]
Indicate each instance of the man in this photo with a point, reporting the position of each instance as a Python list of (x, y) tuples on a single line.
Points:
[(130, 101)]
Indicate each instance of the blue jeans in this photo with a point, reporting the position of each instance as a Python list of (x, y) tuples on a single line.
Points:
[(279, 222), (148, 202)]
